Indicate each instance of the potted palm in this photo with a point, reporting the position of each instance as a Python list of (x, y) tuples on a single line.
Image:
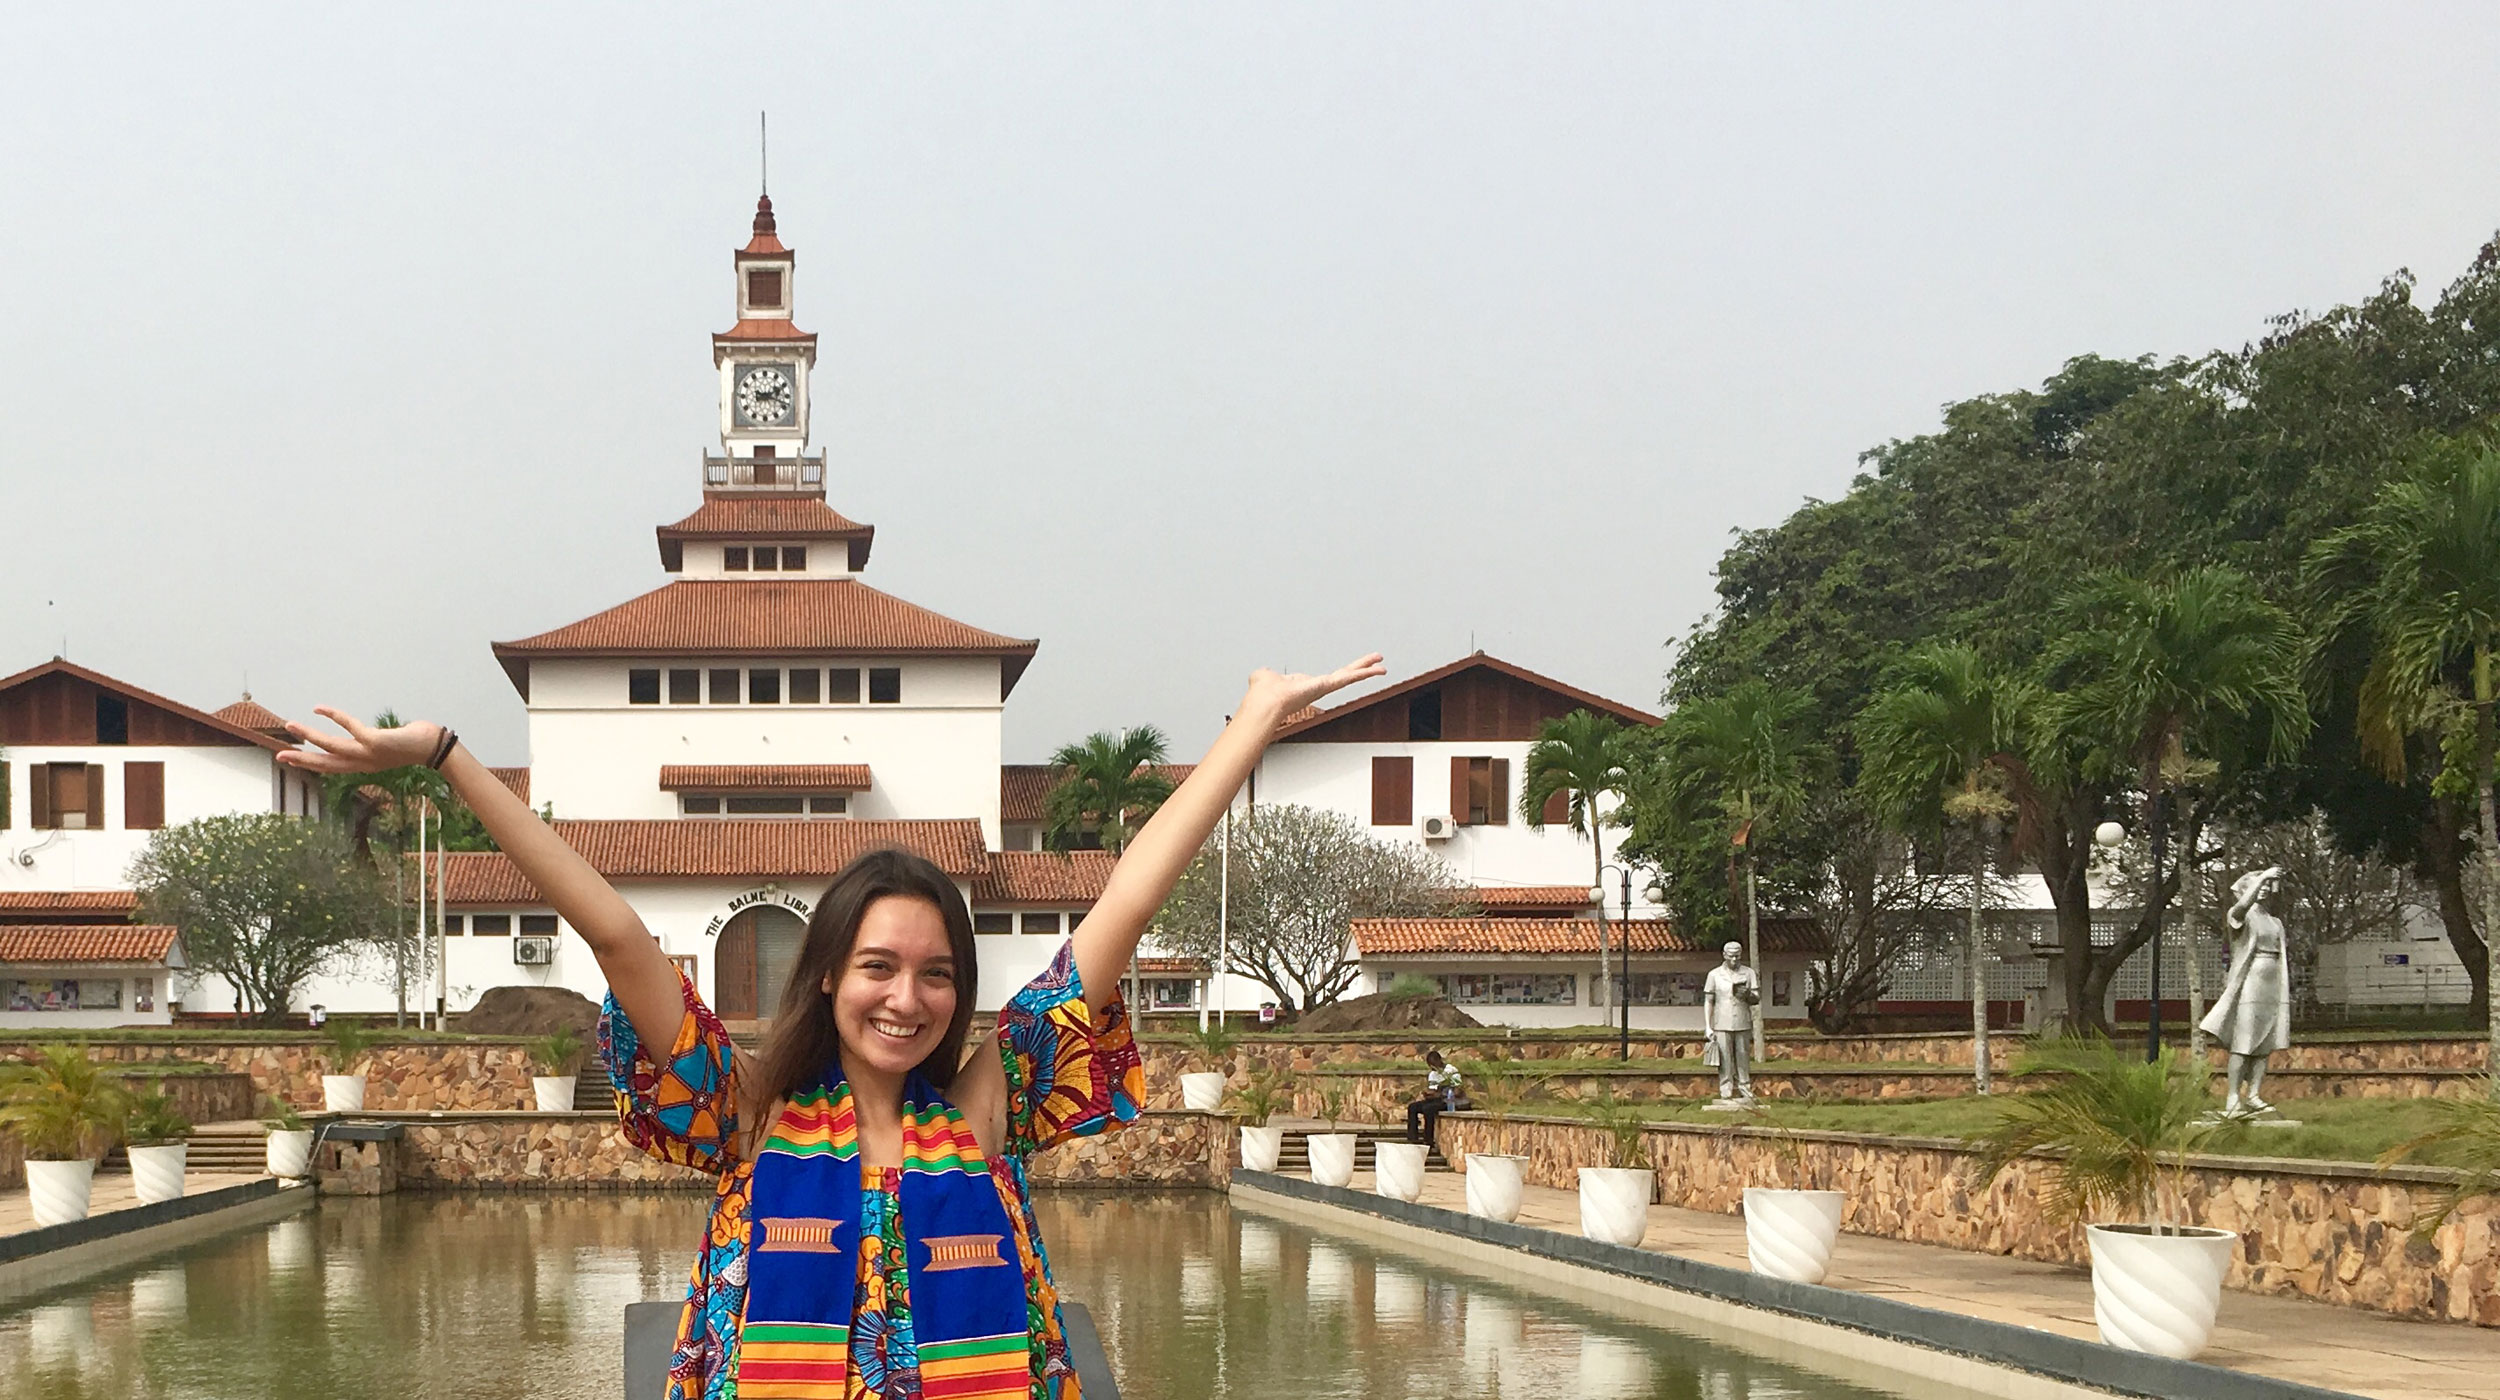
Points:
[(159, 1139), (65, 1113), (2115, 1132), (1790, 1229), (344, 1048), (1332, 1152), (1614, 1200), (1495, 1178), (290, 1142), (1256, 1102), (1202, 1091), (2468, 1138), (559, 1057)]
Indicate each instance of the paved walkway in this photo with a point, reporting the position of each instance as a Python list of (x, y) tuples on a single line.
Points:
[(112, 1193), (2315, 1343)]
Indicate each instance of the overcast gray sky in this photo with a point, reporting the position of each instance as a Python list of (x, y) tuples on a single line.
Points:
[(335, 344)]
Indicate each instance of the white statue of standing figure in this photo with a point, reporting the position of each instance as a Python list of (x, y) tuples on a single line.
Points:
[(1728, 997), (2252, 1016)]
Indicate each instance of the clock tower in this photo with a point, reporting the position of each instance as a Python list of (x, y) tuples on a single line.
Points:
[(763, 363)]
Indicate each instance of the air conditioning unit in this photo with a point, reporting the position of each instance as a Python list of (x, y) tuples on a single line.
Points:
[(533, 950), (1440, 828)]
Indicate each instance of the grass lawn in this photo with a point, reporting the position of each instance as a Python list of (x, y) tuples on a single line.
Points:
[(2341, 1130)]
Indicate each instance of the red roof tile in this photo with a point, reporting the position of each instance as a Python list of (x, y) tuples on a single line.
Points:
[(727, 516), (1504, 898), (1044, 877), (1413, 937), (252, 714), (68, 901), (517, 779), (751, 329), (86, 943), (734, 849), (1172, 967), (1023, 786), (1309, 719), (815, 777), (766, 617)]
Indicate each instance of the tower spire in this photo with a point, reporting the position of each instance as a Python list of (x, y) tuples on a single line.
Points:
[(764, 153)]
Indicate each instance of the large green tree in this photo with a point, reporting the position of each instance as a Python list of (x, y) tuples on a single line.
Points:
[(1103, 788), (266, 902), (1588, 756)]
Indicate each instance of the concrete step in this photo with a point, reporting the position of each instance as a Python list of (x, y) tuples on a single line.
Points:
[(1295, 1155)]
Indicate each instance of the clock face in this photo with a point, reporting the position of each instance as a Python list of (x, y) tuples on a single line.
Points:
[(765, 396)]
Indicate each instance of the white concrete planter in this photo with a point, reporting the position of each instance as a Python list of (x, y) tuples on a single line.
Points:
[(59, 1191), (343, 1093), (1398, 1170), (1260, 1147), (1789, 1234), (554, 1092), (156, 1172), (1202, 1093), (1614, 1203), (1332, 1158), (1493, 1185), (2158, 1293), (290, 1154)]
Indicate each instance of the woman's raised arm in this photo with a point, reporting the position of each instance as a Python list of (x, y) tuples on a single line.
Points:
[(1154, 860), (641, 976)]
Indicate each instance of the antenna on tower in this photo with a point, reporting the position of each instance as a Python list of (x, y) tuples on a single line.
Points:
[(764, 149)]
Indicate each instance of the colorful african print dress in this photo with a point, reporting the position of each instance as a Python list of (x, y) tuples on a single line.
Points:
[(1067, 1076)]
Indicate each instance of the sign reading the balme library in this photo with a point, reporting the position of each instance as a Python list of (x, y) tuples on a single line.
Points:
[(772, 896)]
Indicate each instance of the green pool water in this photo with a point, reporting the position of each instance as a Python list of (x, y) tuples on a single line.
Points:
[(505, 1296)]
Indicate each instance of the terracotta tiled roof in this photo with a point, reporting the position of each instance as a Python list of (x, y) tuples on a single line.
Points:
[(40, 902), (86, 943), (1503, 898), (1412, 937), (517, 779), (71, 668), (766, 617), (1172, 967), (1043, 877), (751, 329), (811, 777), (725, 516), (731, 849), (1023, 786), (252, 714), (1312, 718)]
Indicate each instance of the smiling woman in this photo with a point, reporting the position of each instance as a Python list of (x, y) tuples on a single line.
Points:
[(872, 1234)]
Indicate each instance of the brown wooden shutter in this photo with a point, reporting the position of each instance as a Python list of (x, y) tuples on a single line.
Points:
[(39, 795), (1458, 791), (1558, 807), (143, 796), (1497, 793), (5, 795), (1393, 791)]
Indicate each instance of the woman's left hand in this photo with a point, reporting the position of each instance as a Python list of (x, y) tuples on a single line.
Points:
[(1282, 695)]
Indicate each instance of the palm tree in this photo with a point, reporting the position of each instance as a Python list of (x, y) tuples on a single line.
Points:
[(1590, 757), (2419, 576), (1931, 741), (1103, 788), (2170, 675), (394, 800), (1743, 757)]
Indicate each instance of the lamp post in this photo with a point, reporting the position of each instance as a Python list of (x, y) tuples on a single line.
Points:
[(2109, 835), (1623, 978)]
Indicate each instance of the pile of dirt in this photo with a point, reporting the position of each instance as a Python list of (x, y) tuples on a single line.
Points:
[(531, 1011), (1385, 1013)]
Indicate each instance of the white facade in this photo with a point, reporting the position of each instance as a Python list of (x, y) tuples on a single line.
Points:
[(199, 782)]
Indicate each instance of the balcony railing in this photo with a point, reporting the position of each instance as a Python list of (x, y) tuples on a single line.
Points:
[(800, 473)]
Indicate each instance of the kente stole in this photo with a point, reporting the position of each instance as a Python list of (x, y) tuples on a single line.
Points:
[(967, 1290)]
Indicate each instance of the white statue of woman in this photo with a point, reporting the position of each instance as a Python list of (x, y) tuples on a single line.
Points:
[(2252, 1017)]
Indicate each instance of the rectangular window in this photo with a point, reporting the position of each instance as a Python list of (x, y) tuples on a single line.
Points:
[(69, 796), (491, 925), (685, 686), (993, 921), (885, 685), (1781, 986), (112, 718), (842, 685), (1040, 923), (764, 687), (725, 681), (1557, 807), (767, 559), (1480, 791), (793, 558), (1515, 988), (699, 806), (759, 805), (1393, 792), (764, 288), (99, 994), (806, 686), (642, 686), (143, 796), (1172, 993), (544, 924), (733, 558), (1423, 716), (834, 805), (685, 963), (455, 925), (143, 994)]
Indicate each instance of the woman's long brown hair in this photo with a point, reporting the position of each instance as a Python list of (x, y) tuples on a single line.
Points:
[(803, 1039)]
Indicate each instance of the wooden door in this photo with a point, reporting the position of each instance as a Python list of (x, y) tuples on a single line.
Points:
[(733, 970)]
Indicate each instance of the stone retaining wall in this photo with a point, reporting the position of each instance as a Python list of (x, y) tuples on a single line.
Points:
[(410, 1077), (2335, 1232)]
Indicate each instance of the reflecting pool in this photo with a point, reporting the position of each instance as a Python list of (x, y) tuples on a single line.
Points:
[(512, 1295)]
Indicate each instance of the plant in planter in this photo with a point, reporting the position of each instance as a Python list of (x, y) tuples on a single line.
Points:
[(1256, 1102), (345, 1046), (158, 1136), (1615, 1199), (1791, 1225), (2468, 1135), (1494, 1178), (290, 1141), (1210, 1051), (2115, 1133), (559, 1058), (1332, 1152), (66, 1113)]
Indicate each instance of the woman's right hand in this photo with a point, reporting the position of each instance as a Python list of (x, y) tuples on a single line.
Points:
[(363, 748)]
